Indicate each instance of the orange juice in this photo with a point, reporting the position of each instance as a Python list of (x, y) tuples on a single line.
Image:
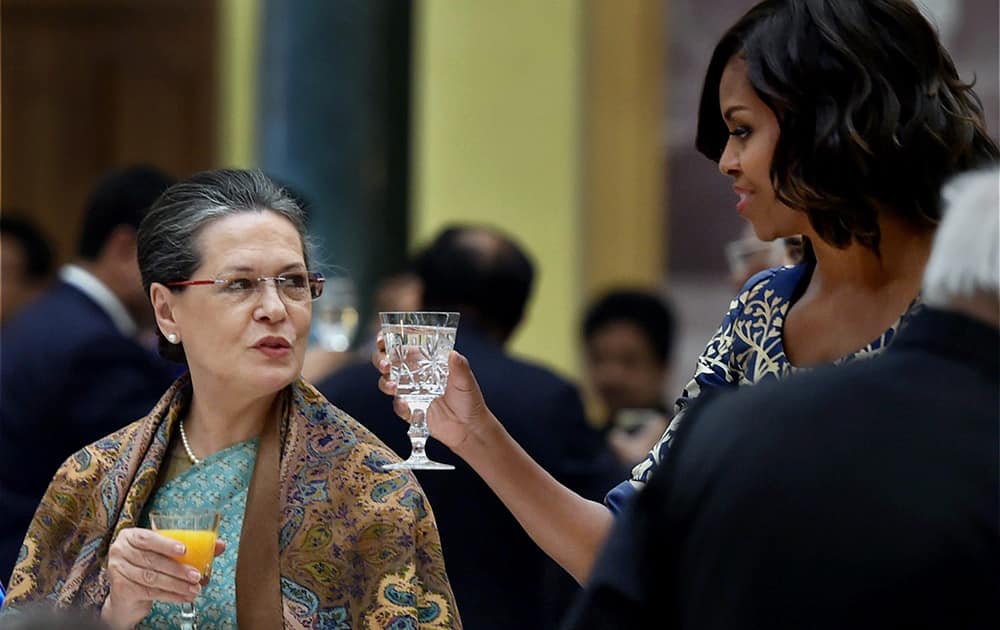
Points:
[(200, 545)]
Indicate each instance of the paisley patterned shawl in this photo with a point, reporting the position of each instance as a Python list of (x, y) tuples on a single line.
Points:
[(358, 547)]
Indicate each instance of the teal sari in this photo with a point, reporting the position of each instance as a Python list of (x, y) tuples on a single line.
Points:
[(219, 482)]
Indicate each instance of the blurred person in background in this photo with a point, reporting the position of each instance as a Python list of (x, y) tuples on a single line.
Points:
[(314, 533), (501, 579), (399, 291), (628, 339), (748, 255), (43, 616), (26, 264), (834, 119), (795, 507), (71, 370)]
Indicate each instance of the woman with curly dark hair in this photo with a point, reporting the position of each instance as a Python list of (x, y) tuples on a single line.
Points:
[(840, 121), (835, 119)]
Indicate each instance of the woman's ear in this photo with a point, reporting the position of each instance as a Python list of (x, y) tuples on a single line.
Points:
[(163, 300)]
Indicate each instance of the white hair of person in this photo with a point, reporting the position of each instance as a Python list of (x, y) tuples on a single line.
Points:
[(965, 259)]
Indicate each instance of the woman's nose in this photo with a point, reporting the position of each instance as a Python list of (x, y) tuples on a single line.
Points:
[(729, 163), (270, 306)]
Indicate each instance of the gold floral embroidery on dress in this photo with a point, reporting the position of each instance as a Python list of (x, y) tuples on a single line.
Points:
[(748, 348), (715, 358), (760, 329), (745, 349)]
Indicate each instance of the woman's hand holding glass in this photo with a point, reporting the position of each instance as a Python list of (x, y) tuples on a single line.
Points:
[(143, 568), (456, 416)]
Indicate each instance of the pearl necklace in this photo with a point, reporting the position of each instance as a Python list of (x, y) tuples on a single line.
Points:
[(187, 447)]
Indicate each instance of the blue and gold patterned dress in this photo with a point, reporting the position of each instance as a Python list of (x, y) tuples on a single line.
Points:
[(746, 349), (219, 482)]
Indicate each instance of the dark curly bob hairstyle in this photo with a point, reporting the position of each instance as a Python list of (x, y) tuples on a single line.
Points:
[(873, 115)]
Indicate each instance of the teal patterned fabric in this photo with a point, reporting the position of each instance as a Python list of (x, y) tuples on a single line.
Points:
[(220, 481)]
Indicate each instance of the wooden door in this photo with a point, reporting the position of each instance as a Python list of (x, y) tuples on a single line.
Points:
[(89, 85)]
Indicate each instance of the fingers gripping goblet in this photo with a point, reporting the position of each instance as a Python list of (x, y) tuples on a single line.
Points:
[(417, 345)]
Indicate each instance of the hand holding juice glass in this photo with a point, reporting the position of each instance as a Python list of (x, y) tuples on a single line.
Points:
[(196, 530)]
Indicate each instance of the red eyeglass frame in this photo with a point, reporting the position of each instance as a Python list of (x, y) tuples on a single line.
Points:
[(316, 279)]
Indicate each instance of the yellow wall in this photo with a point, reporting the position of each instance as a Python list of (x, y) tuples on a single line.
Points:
[(541, 118), (497, 119), (239, 38), (625, 179)]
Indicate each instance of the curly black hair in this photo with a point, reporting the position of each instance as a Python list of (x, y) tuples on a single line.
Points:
[(873, 115)]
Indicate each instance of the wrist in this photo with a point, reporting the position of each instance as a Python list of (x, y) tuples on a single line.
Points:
[(112, 617), (487, 434)]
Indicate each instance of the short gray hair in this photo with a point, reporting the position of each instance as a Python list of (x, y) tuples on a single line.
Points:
[(167, 238), (965, 260)]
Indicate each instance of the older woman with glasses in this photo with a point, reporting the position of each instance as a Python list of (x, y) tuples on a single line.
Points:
[(312, 533)]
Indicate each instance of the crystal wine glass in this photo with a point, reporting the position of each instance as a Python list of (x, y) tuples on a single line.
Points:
[(417, 345), (196, 530)]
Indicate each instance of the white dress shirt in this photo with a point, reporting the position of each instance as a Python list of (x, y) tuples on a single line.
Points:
[(97, 291)]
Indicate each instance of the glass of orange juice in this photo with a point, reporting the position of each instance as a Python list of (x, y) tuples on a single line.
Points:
[(196, 530)]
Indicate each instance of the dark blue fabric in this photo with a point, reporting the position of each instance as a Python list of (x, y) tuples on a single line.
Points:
[(862, 496), (748, 349), (619, 496), (716, 365), (500, 578), (67, 378)]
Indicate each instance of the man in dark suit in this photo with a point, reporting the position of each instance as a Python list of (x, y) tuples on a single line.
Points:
[(864, 496), (71, 370), (500, 577)]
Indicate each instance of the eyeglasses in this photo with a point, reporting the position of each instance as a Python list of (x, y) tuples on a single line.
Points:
[(295, 287)]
